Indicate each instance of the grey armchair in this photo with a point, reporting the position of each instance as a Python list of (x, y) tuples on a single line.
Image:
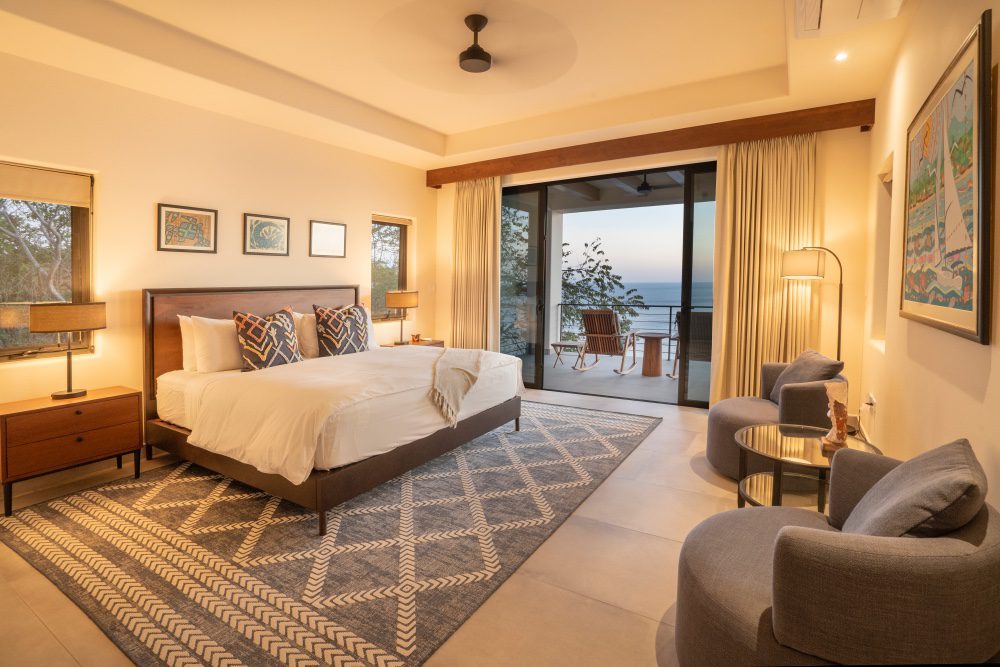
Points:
[(802, 403), (784, 586)]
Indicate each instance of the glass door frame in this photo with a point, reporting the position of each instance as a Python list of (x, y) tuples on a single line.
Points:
[(689, 170), (542, 268), (687, 281)]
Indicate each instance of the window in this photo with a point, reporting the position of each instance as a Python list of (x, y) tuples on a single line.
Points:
[(44, 252), (388, 262)]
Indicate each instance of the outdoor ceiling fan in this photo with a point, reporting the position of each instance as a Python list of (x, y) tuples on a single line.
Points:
[(644, 188)]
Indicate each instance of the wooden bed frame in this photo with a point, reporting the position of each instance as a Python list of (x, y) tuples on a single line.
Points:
[(323, 489)]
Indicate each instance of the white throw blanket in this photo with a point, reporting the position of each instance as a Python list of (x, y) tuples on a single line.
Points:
[(455, 373), (272, 419)]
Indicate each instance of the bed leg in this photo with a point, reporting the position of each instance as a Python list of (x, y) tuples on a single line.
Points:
[(322, 522), (517, 423), (149, 452)]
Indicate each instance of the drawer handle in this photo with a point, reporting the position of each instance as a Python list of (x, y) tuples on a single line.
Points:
[(79, 412), (79, 438)]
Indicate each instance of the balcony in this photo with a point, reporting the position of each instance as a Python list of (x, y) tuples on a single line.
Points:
[(559, 374)]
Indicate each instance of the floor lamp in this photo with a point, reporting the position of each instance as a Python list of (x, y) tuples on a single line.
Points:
[(809, 263)]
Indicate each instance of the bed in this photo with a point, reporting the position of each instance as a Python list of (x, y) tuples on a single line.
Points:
[(361, 452)]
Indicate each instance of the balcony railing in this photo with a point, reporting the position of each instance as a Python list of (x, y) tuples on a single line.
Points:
[(656, 318)]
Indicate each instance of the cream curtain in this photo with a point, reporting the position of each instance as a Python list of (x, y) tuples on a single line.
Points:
[(475, 302), (765, 204)]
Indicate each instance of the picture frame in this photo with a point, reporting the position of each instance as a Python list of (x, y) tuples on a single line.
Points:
[(265, 235), (186, 229), (946, 279), (327, 239)]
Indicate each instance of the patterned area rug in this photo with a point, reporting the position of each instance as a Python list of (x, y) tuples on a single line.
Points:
[(188, 567)]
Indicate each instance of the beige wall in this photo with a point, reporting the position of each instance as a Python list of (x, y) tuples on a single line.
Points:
[(930, 386), (144, 150), (841, 214)]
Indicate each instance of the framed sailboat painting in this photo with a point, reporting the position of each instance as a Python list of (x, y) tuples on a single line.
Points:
[(948, 215)]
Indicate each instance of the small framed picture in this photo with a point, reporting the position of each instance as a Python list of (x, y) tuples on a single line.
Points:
[(327, 239), (265, 234), (186, 228)]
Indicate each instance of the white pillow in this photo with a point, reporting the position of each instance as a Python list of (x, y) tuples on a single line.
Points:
[(215, 344), (305, 331), (187, 344), (372, 343)]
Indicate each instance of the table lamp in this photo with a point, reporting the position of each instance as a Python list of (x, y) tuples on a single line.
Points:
[(809, 263), (403, 300), (66, 318)]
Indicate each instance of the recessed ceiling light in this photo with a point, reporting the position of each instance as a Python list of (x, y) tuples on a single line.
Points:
[(841, 57)]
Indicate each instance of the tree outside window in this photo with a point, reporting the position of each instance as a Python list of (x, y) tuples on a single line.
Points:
[(388, 265)]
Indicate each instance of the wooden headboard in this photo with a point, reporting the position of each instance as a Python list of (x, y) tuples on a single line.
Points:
[(162, 331)]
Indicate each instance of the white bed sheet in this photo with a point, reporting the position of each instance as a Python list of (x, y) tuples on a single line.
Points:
[(362, 430)]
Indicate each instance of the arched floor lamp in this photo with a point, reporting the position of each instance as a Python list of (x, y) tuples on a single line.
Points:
[(809, 263)]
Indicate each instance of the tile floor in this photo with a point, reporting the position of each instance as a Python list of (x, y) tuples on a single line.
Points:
[(599, 591)]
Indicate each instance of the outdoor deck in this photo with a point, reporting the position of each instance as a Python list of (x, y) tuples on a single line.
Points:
[(603, 381)]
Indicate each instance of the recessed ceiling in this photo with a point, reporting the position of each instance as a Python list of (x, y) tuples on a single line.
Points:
[(402, 56), (382, 76)]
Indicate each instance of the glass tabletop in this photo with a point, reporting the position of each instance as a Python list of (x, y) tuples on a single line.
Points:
[(798, 445)]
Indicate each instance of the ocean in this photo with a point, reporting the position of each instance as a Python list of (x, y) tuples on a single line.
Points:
[(669, 294)]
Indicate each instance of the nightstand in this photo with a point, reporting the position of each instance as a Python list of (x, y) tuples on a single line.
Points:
[(42, 435), (428, 342)]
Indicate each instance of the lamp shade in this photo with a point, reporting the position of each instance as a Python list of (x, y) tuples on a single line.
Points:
[(400, 299), (803, 265), (60, 317), (13, 315)]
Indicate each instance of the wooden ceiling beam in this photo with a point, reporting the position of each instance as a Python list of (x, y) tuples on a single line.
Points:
[(860, 113)]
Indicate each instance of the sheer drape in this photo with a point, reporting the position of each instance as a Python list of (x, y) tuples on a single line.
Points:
[(475, 304), (765, 205)]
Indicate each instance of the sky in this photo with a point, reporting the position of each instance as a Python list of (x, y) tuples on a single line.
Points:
[(644, 243)]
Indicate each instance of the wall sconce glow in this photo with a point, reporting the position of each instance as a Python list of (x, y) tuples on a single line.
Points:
[(841, 56)]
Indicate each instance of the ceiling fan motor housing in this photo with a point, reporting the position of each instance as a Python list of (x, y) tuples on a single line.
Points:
[(475, 58)]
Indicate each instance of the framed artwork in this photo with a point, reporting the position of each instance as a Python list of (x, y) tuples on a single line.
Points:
[(948, 215), (186, 228), (265, 234), (327, 239)]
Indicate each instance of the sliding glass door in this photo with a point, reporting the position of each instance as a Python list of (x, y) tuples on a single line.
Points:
[(695, 335), (638, 248), (522, 330)]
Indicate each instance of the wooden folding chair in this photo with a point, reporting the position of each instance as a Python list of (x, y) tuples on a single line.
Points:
[(602, 336)]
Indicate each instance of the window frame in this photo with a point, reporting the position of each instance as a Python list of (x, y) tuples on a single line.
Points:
[(81, 234), (403, 246)]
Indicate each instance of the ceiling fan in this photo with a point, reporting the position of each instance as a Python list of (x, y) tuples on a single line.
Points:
[(644, 188), (475, 59)]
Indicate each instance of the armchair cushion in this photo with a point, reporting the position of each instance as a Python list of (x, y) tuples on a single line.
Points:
[(724, 614), (810, 366), (858, 599), (934, 493)]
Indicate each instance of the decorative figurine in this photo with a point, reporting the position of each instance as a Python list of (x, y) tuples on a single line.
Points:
[(836, 393)]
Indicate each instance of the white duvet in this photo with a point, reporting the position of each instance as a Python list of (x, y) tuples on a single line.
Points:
[(272, 419)]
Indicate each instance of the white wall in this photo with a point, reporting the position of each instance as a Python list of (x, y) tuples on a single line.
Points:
[(930, 386), (144, 150)]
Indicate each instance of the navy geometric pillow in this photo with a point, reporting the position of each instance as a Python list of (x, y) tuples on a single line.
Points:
[(341, 330), (267, 341)]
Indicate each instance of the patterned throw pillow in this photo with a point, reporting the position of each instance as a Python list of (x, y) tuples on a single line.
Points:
[(267, 341), (341, 330)]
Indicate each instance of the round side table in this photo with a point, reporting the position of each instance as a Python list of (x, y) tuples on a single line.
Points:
[(787, 444)]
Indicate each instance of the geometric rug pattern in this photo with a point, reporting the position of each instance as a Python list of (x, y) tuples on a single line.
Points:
[(187, 567)]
